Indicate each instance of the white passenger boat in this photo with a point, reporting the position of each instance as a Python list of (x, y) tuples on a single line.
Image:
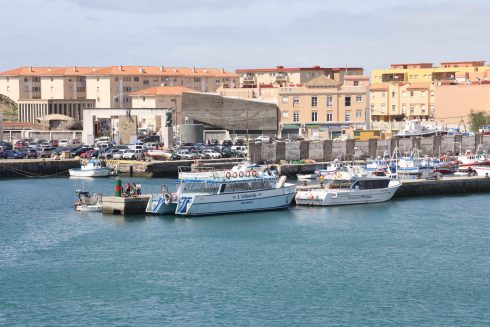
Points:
[(87, 202), (243, 188), (92, 168), (163, 203), (349, 187)]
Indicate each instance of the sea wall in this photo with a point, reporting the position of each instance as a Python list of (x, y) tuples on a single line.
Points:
[(328, 150)]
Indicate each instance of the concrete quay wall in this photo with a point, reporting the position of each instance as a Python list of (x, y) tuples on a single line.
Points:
[(15, 168), (445, 186), (328, 150)]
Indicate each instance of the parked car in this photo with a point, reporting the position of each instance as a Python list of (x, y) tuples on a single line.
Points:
[(263, 138), (54, 143), (3, 154), (108, 154), (187, 155), (227, 143), (20, 144), (13, 154), (210, 154), (44, 152), (29, 153), (5, 146), (88, 154), (63, 143), (78, 151), (119, 154), (136, 154)]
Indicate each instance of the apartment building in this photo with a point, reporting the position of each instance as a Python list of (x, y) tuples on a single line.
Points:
[(323, 107), (447, 72), (108, 86), (111, 86), (281, 76), (30, 111), (394, 101)]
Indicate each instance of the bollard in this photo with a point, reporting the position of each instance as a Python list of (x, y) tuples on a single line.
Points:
[(131, 171), (118, 187)]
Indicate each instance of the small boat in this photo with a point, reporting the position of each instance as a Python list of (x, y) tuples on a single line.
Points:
[(470, 159), (413, 127), (160, 154), (241, 189), (413, 164), (350, 187), (331, 169), (163, 203), (306, 176), (92, 168), (87, 202)]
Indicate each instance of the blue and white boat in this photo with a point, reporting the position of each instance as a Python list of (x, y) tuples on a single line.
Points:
[(414, 164), (241, 189)]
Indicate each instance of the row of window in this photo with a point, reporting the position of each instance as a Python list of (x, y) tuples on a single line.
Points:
[(165, 78), (404, 94), (314, 115), (404, 108), (314, 100)]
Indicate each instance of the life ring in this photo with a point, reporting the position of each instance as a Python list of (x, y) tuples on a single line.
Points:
[(254, 173), (241, 174), (247, 173), (235, 174), (311, 196), (168, 198), (228, 174), (336, 174)]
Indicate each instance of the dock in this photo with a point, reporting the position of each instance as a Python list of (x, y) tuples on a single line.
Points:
[(113, 205)]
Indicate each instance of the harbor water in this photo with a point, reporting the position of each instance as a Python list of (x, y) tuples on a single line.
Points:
[(408, 262)]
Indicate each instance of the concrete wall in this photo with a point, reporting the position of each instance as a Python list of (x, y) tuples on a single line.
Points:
[(350, 149)]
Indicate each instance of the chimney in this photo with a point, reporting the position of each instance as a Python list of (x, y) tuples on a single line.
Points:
[(50, 69), (30, 69), (74, 68), (142, 70), (162, 68), (222, 70), (93, 68), (120, 68), (193, 69)]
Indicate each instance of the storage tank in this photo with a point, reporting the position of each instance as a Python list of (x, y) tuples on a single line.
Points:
[(191, 133)]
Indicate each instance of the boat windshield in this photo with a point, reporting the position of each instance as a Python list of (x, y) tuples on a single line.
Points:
[(371, 184)]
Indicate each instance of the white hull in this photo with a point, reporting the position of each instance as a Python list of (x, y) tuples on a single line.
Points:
[(306, 176), (331, 197), (89, 207), (157, 206), (159, 155), (413, 170), (97, 172), (482, 171), (259, 200)]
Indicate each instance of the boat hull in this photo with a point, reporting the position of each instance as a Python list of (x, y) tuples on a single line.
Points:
[(99, 172), (261, 200), (482, 171), (327, 197), (157, 206)]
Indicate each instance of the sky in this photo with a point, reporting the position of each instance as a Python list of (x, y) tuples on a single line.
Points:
[(242, 34)]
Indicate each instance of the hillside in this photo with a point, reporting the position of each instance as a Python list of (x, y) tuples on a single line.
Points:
[(8, 107)]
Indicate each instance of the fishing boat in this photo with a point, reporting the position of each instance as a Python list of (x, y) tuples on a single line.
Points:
[(87, 202), (306, 176), (352, 187), (241, 189), (469, 159), (414, 164), (413, 127), (91, 168), (330, 170)]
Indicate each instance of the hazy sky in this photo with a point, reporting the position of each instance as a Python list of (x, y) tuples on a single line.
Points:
[(242, 34)]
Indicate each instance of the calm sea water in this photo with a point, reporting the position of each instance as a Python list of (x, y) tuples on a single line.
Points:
[(414, 262)]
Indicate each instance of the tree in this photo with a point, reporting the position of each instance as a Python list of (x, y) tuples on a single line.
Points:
[(477, 120)]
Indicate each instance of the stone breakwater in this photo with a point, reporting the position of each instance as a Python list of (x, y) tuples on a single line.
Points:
[(327, 150)]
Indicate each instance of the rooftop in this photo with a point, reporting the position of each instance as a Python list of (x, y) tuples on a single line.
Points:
[(162, 90), (294, 69)]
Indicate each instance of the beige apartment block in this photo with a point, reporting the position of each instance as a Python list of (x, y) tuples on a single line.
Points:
[(111, 87), (263, 93), (389, 101), (323, 107), (281, 76), (108, 86), (162, 97)]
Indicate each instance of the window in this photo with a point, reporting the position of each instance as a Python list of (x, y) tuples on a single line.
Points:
[(285, 99), (432, 109), (329, 115), (314, 101), (136, 79), (423, 93), (347, 101), (393, 108), (197, 79), (146, 82), (314, 116), (358, 113), (412, 93), (404, 108), (412, 108), (144, 99), (296, 116), (383, 107), (423, 108), (432, 93), (393, 94), (295, 101), (359, 98), (329, 101), (347, 116), (356, 83), (383, 94), (285, 114)]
